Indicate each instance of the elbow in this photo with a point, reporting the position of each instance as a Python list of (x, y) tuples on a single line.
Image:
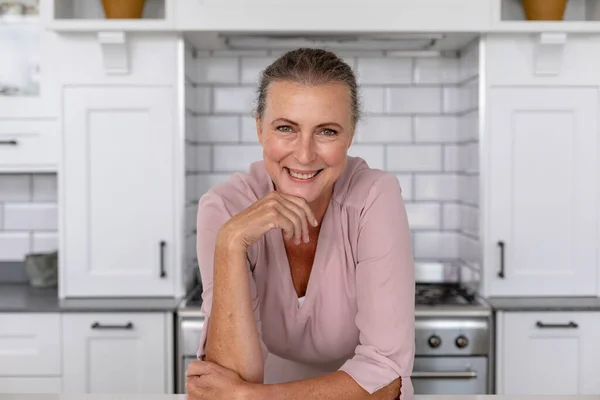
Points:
[(250, 372), (390, 392), (253, 376)]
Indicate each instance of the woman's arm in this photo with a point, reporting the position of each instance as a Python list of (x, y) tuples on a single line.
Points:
[(232, 339), (337, 385)]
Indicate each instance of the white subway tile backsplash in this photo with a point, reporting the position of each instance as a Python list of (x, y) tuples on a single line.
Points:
[(436, 70), (436, 245), (191, 97), (15, 187), (468, 126), (383, 129), (1, 218), (235, 158), (436, 129), (373, 155), (469, 156), (372, 99), (14, 246), (252, 68), (380, 70), (203, 159), (469, 249), (453, 99), (45, 187), (470, 220), (436, 187), (469, 62), (413, 100), (44, 242), (30, 216), (249, 133), (406, 184), (191, 188), (190, 158), (234, 99), (203, 100), (191, 214), (217, 70), (206, 181), (451, 217), (404, 158), (217, 128), (452, 158), (423, 215), (469, 189)]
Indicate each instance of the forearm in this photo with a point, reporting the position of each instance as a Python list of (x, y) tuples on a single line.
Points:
[(337, 385), (232, 339)]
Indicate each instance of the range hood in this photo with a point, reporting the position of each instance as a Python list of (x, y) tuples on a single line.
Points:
[(418, 44), (336, 41)]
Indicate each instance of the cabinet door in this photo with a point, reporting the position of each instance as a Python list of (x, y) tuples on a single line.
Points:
[(118, 191), (30, 385), (335, 15), (543, 191), (115, 353), (548, 353)]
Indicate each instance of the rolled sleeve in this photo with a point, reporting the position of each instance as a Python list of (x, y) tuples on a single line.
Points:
[(212, 214), (385, 292)]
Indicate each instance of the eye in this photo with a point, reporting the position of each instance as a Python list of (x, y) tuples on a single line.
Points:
[(284, 128), (328, 132)]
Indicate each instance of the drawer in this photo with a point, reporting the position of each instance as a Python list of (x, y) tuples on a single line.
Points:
[(28, 385), (523, 59), (29, 145), (30, 345)]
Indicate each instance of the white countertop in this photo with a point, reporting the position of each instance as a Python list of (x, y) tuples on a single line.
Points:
[(183, 397)]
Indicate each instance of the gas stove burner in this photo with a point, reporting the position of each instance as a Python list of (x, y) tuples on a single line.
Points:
[(443, 294)]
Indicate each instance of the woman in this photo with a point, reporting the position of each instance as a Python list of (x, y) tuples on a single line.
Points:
[(305, 260)]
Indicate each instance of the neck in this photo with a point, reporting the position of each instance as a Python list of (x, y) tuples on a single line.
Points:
[(319, 206)]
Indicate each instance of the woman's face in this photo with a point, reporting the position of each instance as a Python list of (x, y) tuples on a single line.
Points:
[(305, 133)]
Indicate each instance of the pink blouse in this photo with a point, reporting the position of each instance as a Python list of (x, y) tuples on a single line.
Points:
[(358, 312)]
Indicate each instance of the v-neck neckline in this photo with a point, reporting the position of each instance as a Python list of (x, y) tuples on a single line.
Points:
[(317, 267), (318, 261)]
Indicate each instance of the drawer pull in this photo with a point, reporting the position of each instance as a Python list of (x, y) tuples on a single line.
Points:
[(163, 273), (501, 272), (98, 325), (8, 142), (570, 325)]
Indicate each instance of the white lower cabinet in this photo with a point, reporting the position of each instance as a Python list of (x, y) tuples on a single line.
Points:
[(548, 353), (117, 353)]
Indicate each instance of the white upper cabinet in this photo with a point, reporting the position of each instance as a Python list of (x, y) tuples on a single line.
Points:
[(548, 353), (117, 192), (542, 236), (334, 15)]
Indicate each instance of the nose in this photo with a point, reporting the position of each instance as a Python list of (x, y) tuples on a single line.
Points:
[(304, 151)]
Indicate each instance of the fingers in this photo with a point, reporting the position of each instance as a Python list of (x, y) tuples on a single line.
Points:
[(300, 220), (289, 221), (198, 368), (300, 202)]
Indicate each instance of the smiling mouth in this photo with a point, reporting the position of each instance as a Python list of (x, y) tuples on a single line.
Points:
[(296, 175)]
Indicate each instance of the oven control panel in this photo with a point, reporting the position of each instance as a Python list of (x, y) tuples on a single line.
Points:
[(436, 336)]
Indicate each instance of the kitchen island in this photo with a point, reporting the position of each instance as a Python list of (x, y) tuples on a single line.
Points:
[(184, 397)]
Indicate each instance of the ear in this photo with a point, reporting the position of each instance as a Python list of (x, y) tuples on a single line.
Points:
[(259, 132)]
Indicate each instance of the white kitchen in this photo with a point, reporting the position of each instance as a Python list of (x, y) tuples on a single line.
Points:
[(112, 128)]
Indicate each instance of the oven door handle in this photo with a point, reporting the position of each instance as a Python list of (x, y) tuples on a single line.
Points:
[(444, 375)]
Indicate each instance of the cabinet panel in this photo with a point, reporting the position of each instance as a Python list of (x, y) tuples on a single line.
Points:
[(118, 191), (29, 345), (29, 145), (543, 191), (549, 353), (335, 15), (115, 353)]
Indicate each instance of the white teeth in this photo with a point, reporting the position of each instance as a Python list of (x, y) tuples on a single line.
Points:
[(302, 176)]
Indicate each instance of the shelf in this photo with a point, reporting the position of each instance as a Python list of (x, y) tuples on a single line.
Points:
[(580, 16), (88, 16)]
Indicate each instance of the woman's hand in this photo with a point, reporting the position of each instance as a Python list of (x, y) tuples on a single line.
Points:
[(207, 380), (276, 210)]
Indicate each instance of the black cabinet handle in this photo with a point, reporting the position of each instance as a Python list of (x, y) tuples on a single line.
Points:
[(98, 325), (163, 273), (501, 272), (8, 143), (570, 325)]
